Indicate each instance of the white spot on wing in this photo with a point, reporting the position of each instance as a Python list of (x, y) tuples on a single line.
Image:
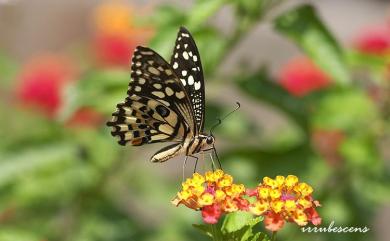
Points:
[(183, 81), (190, 80), (184, 72), (185, 46), (197, 85), (195, 58), (185, 55), (175, 65)]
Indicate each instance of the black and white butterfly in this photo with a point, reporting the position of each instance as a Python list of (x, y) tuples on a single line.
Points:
[(165, 102)]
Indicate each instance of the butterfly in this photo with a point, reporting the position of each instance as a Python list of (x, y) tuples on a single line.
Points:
[(165, 102)]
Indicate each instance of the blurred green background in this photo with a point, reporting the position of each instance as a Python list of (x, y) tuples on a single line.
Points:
[(313, 78)]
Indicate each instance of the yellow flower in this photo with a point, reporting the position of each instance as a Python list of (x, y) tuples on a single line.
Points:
[(263, 192), (280, 180), (275, 194), (218, 174), (304, 203), (198, 179), (300, 218), (235, 190), (185, 185), (198, 190), (220, 195), (305, 189), (210, 177), (277, 206), (291, 181), (206, 199), (290, 205), (269, 182), (259, 208), (184, 195), (229, 205), (226, 181)]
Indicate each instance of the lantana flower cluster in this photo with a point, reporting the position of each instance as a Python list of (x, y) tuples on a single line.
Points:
[(213, 194), (284, 199), (279, 200)]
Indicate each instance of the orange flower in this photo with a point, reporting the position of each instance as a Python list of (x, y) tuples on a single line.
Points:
[(116, 35), (285, 199), (213, 194)]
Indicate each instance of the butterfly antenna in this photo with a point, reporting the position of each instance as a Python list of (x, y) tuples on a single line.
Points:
[(221, 119)]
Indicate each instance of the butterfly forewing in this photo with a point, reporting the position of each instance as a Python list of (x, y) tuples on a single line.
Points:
[(186, 63), (154, 78), (157, 108)]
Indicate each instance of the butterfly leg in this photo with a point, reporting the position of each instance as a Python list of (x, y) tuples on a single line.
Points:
[(212, 161), (196, 162), (184, 166), (216, 155)]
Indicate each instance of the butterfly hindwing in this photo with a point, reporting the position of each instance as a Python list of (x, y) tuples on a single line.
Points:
[(187, 65), (140, 120)]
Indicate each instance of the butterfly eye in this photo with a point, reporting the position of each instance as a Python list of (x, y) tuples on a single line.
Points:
[(210, 140)]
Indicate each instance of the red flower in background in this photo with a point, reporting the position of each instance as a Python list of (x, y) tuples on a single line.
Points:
[(300, 76), (85, 117), (41, 83), (115, 34), (114, 50), (374, 40), (327, 143)]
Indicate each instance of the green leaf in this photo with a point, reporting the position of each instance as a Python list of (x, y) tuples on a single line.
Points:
[(205, 229), (338, 110), (164, 41), (376, 64), (18, 164), (101, 90), (238, 226), (201, 11), (8, 69), (271, 163), (305, 28), (236, 221)]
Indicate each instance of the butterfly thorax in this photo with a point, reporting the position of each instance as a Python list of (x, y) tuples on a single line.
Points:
[(199, 143)]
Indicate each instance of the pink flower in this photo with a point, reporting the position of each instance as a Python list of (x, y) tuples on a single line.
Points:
[(42, 81), (374, 40), (211, 213), (313, 215), (273, 222), (300, 76)]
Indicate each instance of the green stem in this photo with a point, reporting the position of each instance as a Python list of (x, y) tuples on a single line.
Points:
[(273, 237), (214, 232)]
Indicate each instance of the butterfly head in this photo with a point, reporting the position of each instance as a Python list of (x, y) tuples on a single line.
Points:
[(206, 142), (210, 140)]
